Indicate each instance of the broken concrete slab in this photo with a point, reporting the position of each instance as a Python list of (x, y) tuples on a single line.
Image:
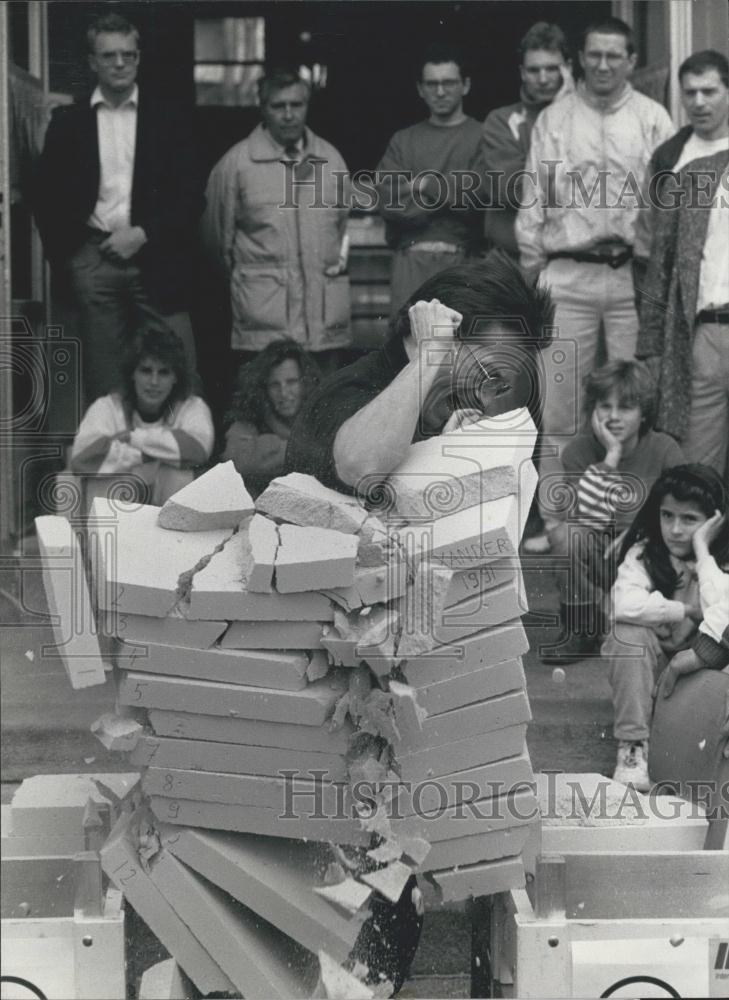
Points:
[(258, 958), (260, 821), (318, 666), (484, 879), (406, 708), (262, 791), (174, 630), (257, 668), (314, 559), (455, 692), (338, 984), (221, 590), (376, 545), (463, 468), (466, 583), (263, 540), (479, 847), (480, 816), (165, 981), (57, 803), (310, 707), (216, 499), (372, 585), (480, 717), (278, 879), (390, 880), (426, 627), (348, 895), (116, 732), (139, 564), (301, 499), (69, 603), (251, 732), (461, 754), (368, 634), (204, 755), (289, 635), (473, 652), (120, 862)]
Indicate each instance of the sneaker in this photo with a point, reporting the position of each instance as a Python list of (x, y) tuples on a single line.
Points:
[(632, 765)]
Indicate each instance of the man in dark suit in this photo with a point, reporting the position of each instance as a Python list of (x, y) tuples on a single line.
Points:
[(117, 204)]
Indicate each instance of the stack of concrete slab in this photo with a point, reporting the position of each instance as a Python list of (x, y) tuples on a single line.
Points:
[(306, 673)]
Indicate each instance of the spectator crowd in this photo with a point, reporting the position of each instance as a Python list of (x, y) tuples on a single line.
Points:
[(569, 254)]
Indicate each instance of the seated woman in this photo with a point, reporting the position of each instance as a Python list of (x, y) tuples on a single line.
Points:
[(153, 428), (268, 397)]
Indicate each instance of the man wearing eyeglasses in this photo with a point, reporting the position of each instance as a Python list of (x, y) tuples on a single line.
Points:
[(117, 203), (575, 227), (429, 179)]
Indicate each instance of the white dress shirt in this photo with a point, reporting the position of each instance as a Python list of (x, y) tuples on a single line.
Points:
[(714, 274), (117, 128)]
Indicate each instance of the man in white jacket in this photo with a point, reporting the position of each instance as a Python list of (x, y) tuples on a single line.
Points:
[(589, 153)]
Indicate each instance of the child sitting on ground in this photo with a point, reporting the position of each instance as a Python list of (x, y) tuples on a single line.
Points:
[(606, 474), (658, 600)]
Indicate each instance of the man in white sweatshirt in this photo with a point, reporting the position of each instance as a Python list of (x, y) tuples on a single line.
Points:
[(575, 228)]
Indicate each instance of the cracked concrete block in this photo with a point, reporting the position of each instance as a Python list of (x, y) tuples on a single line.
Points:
[(263, 540), (116, 733), (338, 984), (460, 754), (251, 732), (474, 652), (310, 707), (301, 499), (204, 755), (174, 630), (480, 717), (409, 713), (318, 665), (464, 467), (220, 590), (390, 880), (481, 816), (257, 957), (455, 692), (216, 499), (262, 791), (261, 821), (69, 603), (165, 981), (139, 563), (314, 559), (376, 546), (466, 583), (56, 803), (425, 629), (480, 847), (120, 862), (470, 785), (256, 668), (485, 879), (348, 895), (478, 535), (368, 634), (372, 585), (273, 635), (278, 879)]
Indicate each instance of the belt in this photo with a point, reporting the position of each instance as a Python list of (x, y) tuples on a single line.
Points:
[(98, 235), (614, 260), (714, 316), (435, 246)]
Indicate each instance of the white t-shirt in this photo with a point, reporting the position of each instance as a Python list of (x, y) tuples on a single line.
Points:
[(714, 273), (696, 147)]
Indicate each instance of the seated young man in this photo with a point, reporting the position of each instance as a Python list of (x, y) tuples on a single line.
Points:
[(607, 472), (468, 339)]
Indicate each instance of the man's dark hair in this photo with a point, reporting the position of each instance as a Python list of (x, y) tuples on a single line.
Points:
[(443, 52), (154, 339), (701, 62), (108, 24), (609, 26), (278, 78), (543, 35), (250, 400)]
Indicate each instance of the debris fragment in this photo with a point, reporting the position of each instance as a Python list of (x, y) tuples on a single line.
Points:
[(339, 984)]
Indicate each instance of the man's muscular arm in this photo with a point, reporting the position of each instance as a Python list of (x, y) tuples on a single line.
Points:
[(375, 440)]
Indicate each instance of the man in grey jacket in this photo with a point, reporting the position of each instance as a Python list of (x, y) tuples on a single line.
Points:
[(275, 223)]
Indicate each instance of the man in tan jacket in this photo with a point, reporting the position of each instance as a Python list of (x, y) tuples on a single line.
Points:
[(275, 223)]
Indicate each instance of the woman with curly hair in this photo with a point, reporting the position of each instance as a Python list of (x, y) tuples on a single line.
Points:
[(153, 428), (267, 400)]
